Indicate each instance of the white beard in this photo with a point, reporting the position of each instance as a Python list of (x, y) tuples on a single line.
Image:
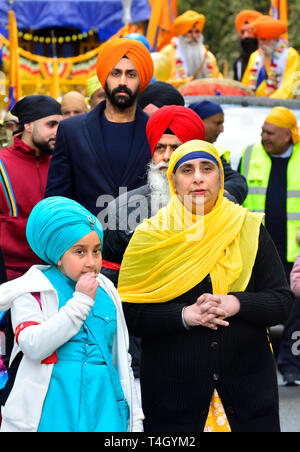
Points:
[(159, 187), (270, 48), (193, 53)]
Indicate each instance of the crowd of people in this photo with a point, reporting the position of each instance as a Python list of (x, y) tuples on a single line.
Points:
[(140, 273)]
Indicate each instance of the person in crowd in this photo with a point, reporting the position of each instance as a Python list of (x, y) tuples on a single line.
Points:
[(97, 153), (157, 95), (271, 170), (73, 103), (7, 128), (167, 129), (271, 69), (200, 283), (70, 331), (4, 139), (248, 41), (212, 115), (187, 52), (95, 92), (11, 122), (23, 175)]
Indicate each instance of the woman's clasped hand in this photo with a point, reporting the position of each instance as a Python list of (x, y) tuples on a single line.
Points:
[(211, 310)]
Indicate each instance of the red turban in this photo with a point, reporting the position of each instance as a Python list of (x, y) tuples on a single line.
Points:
[(267, 27), (114, 50), (244, 17), (183, 122)]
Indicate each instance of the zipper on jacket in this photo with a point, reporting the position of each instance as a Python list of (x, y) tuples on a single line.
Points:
[(37, 164)]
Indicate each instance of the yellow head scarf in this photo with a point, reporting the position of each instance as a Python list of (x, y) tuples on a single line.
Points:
[(285, 118), (92, 85), (168, 255)]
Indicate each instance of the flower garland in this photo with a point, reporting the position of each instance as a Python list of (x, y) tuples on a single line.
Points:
[(206, 72), (275, 72)]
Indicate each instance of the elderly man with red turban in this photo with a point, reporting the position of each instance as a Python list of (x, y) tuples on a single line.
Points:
[(99, 152), (189, 56), (272, 69)]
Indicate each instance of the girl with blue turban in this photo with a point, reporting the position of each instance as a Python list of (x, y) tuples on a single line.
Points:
[(75, 373)]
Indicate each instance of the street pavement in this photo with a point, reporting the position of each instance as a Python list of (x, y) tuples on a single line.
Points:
[(289, 407)]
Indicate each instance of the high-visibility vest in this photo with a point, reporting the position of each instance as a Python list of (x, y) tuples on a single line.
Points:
[(223, 152), (256, 167)]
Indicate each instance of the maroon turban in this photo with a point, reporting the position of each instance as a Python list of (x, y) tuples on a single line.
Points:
[(182, 121)]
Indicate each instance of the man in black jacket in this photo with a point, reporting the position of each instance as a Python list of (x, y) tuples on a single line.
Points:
[(99, 152)]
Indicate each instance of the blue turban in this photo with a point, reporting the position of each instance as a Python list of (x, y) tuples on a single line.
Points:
[(57, 223), (206, 108)]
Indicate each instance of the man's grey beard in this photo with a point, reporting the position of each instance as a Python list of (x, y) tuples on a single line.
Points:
[(159, 187), (270, 49), (194, 54)]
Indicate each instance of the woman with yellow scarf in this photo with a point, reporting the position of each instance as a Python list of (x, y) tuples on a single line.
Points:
[(200, 283)]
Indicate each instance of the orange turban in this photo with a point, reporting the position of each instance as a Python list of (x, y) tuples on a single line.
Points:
[(267, 27), (185, 22), (244, 17), (285, 118), (114, 50)]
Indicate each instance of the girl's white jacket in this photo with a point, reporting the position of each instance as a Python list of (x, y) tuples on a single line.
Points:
[(22, 411)]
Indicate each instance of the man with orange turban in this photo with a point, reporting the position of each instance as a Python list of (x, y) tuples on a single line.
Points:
[(272, 69), (189, 56), (248, 41), (272, 172), (99, 152)]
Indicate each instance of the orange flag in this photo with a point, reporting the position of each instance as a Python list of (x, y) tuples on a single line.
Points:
[(14, 76), (279, 10), (160, 27)]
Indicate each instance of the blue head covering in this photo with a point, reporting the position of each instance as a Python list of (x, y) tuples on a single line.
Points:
[(206, 108), (139, 37), (55, 224)]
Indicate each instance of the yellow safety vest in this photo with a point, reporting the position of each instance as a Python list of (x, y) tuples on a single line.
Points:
[(256, 167), (223, 152)]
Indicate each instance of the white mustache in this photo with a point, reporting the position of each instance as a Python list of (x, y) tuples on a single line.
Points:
[(159, 166)]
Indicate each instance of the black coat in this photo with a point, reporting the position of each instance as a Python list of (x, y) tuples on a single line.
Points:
[(79, 167), (180, 368)]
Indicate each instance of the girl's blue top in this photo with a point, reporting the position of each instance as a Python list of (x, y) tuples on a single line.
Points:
[(85, 394)]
